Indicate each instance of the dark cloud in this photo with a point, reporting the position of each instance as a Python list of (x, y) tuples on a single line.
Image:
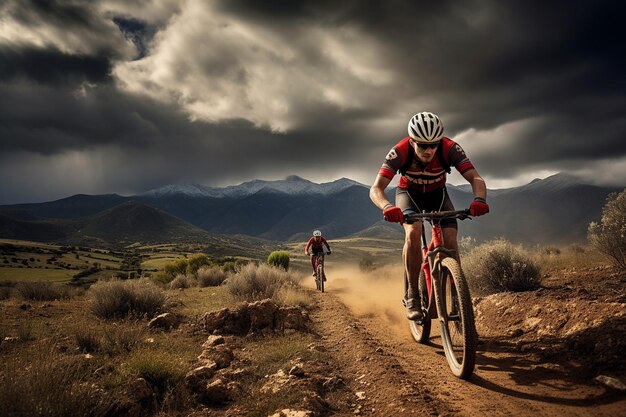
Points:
[(219, 92), (51, 66)]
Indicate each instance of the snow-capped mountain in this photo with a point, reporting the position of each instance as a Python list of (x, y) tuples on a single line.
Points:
[(292, 185)]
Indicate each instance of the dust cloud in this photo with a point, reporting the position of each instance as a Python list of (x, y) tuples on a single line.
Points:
[(373, 295)]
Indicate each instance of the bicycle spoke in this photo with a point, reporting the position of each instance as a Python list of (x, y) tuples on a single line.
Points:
[(457, 325)]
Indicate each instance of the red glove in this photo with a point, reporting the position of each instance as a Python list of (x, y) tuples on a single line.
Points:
[(393, 214), (479, 207)]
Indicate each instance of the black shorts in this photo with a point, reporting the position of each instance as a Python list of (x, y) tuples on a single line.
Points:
[(415, 201)]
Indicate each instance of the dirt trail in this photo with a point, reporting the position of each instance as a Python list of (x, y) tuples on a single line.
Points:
[(362, 324)]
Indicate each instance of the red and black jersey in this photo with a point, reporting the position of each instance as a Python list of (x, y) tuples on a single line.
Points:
[(424, 178), (316, 246)]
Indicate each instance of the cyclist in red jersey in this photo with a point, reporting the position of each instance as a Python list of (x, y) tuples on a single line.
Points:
[(316, 245), (423, 159)]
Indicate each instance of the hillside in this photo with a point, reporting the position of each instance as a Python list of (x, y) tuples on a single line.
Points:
[(556, 209), (128, 223)]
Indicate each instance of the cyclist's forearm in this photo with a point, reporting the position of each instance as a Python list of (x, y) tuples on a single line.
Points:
[(377, 192), (479, 188)]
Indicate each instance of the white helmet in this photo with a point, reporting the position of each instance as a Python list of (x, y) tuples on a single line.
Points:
[(425, 127), (317, 233)]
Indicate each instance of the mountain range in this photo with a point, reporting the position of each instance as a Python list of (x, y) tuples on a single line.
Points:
[(557, 209)]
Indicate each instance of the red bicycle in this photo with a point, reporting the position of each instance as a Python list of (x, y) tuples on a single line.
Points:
[(320, 276), (445, 295)]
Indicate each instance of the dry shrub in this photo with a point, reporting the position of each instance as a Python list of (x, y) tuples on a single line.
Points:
[(164, 372), (211, 276), (87, 339), (609, 236), (120, 299), (551, 250), (48, 384), (498, 266), (292, 296), (181, 282), (254, 282), (42, 291), (577, 249)]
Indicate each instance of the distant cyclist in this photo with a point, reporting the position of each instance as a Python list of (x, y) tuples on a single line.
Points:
[(316, 245), (423, 159)]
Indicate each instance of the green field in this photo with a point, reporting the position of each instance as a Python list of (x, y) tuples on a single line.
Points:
[(33, 274)]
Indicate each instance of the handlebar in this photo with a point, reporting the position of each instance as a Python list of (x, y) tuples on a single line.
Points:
[(458, 214)]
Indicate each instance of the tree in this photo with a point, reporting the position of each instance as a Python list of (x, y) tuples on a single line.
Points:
[(609, 236)]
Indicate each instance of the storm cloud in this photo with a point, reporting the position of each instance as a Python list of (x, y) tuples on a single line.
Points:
[(115, 96)]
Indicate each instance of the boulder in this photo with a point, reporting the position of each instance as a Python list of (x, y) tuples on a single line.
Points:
[(198, 378), (213, 340), (214, 393), (221, 355), (164, 321)]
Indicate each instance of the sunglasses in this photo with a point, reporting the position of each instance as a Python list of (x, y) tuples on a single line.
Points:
[(425, 146)]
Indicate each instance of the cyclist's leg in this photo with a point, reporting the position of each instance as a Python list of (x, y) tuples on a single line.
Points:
[(449, 228), (313, 257), (411, 256)]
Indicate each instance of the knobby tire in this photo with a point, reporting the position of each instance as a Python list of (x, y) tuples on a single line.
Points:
[(320, 278), (421, 332), (458, 329)]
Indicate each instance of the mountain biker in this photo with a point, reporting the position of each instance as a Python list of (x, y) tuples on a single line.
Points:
[(423, 159), (316, 245)]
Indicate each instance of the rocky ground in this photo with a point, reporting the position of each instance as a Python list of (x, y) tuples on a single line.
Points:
[(559, 350)]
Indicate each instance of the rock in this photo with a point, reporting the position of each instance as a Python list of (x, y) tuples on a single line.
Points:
[(262, 314), (221, 355), (297, 370), (212, 341), (332, 382), (276, 382), (292, 318), (198, 378), (259, 317), (215, 393), (292, 413), (515, 332), (360, 395), (164, 321), (225, 321), (610, 382), (25, 306), (531, 322), (140, 391), (316, 347)]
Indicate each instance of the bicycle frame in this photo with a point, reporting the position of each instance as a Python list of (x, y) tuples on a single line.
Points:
[(431, 262), (318, 258)]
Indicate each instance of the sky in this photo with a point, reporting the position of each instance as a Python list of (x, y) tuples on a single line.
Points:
[(117, 96)]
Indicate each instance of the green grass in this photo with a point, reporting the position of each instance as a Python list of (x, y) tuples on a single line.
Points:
[(33, 274), (159, 262)]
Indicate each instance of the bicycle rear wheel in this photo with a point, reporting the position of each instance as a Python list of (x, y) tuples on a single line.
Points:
[(458, 329), (421, 332)]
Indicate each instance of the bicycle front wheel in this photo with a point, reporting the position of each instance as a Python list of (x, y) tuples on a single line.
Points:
[(320, 278), (458, 329)]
